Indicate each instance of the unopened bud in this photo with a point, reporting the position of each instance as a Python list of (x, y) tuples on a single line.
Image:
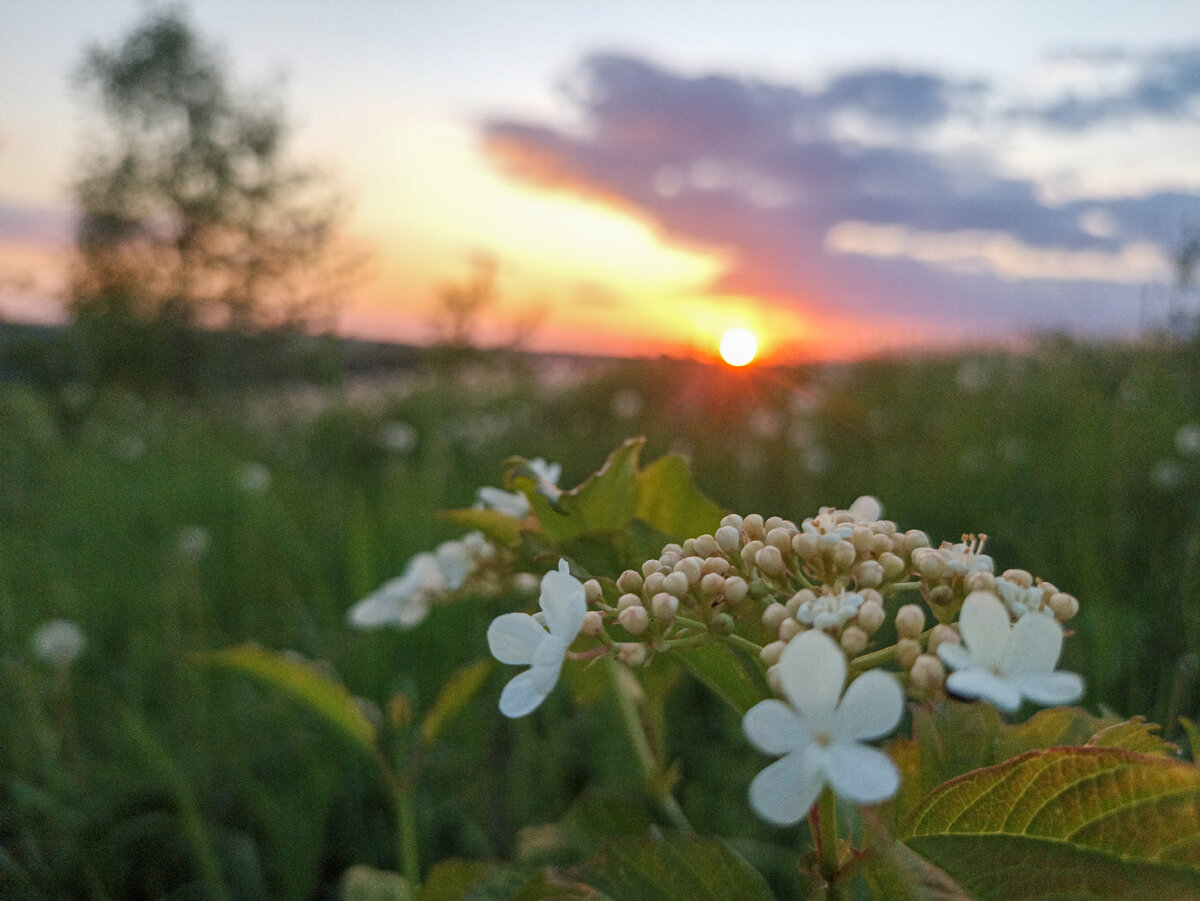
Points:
[(881, 544), (718, 565), (910, 621), (843, 555), (942, 634), (626, 601), (733, 521), (927, 675), (871, 616), (651, 566), (790, 628), (632, 653), (893, 567), (630, 581), (593, 624), (750, 551), (801, 597), (769, 655), (664, 606), (653, 584), (770, 561), (721, 623), (728, 538), (676, 583), (861, 538), (806, 545), (635, 620), (854, 640), (692, 567), (977, 580), (930, 565), (907, 651), (780, 538), (774, 680), (1065, 606), (591, 591), (705, 546), (752, 525), (868, 574), (775, 614), (712, 584), (1019, 577), (913, 539), (735, 589)]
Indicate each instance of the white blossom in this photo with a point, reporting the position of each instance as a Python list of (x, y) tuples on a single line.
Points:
[(402, 601), (821, 733), (1003, 662), (58, 642), (826, 611), (540, 641)]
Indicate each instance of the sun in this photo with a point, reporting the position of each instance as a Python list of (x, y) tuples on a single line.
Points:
[(738, 346)]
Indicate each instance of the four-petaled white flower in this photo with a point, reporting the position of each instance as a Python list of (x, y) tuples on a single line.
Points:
[(1004, 662), (821, 739), (521, 639)]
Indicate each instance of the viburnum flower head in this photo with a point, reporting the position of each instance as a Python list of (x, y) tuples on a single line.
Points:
[(821, 733), (1003, 662), (539, 641)]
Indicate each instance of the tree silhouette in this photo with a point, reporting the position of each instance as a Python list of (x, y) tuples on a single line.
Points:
[(189, 216)]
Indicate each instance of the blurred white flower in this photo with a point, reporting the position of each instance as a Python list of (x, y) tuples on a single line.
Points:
[(398, 437), (821, 733), (1167, 475), (191, 542), (402, 601), (866, 509), (1187, 439), (1002, 662), (458, 559), (824, 611), (521, 639), (58, 642), (514, 503), (254, 478), (625, 404)]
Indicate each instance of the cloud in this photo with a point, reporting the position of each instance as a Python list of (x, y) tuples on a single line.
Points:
[(886, 216), (1161, 85)]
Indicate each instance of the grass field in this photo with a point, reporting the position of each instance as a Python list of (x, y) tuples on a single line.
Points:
[(167, 529)]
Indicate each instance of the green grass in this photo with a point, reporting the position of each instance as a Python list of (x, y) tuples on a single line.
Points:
[(138, 774)]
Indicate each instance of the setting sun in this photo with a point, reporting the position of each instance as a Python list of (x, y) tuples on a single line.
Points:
[(738, 346)]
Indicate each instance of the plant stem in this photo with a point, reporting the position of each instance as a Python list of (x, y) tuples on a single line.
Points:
[(826, 840), (631, 722)]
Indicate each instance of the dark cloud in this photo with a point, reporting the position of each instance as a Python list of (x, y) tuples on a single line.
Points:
[(760, 172), (1165, 85)]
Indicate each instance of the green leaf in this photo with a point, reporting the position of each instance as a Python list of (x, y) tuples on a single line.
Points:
[(591, 818), (669, 501), (1067, 823), (497, 527), (895, 873), (605, 502), (672, 866), (458, 691), (1133, 735), (1193, 737), (330, 701), (724, 672)]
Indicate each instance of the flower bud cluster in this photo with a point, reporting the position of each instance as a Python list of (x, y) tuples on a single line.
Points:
[(836, 547), (952, 571), (1021, 594)]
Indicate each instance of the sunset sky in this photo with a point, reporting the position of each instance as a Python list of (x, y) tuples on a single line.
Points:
[(841, 179)]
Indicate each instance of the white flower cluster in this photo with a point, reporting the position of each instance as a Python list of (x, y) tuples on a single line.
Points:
[(813, 598), (514, 503)]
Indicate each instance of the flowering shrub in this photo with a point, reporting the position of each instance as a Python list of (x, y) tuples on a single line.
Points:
[(819, 635)]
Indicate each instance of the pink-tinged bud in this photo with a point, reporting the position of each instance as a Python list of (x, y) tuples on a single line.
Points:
[(868, 574), (651, 566), (1019, 577), (632, 653), (664, 606), (591, 591), (871, 616), (806, 545), (881, 544), (626, 601), (634, 620), (800, 598), (653, 584), (630, 582), (752, 525), (718, 565), (780, 538), (705, 546), (593, 624), (712, 584), (1064, 606), (692, 568), (854, 640), (843, 555), (750, 551), (733, 521), (735, 589), (676, 583), (770, 561)]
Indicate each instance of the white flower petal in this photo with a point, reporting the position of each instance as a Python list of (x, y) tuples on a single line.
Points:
[(522, 695), (374, 610), (514, 637), (954, 656), (976, 682), (773, 727), (548, 660), (1033, 646), (860, 773), (866, 509), (872, 707), (455, 563), (564, 603), (1050, 689), (985, 628), (785, 791), (812, 670)]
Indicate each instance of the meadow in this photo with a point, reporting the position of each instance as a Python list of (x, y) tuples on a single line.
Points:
[(168, 529)]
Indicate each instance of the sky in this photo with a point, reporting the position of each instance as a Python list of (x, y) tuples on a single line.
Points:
[(843, 179)]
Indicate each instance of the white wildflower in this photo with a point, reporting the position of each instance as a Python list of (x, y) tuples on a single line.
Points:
[(1004, 662), (541, 641), (826, 611), (58, 642), (403, 601), (821, 733)]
